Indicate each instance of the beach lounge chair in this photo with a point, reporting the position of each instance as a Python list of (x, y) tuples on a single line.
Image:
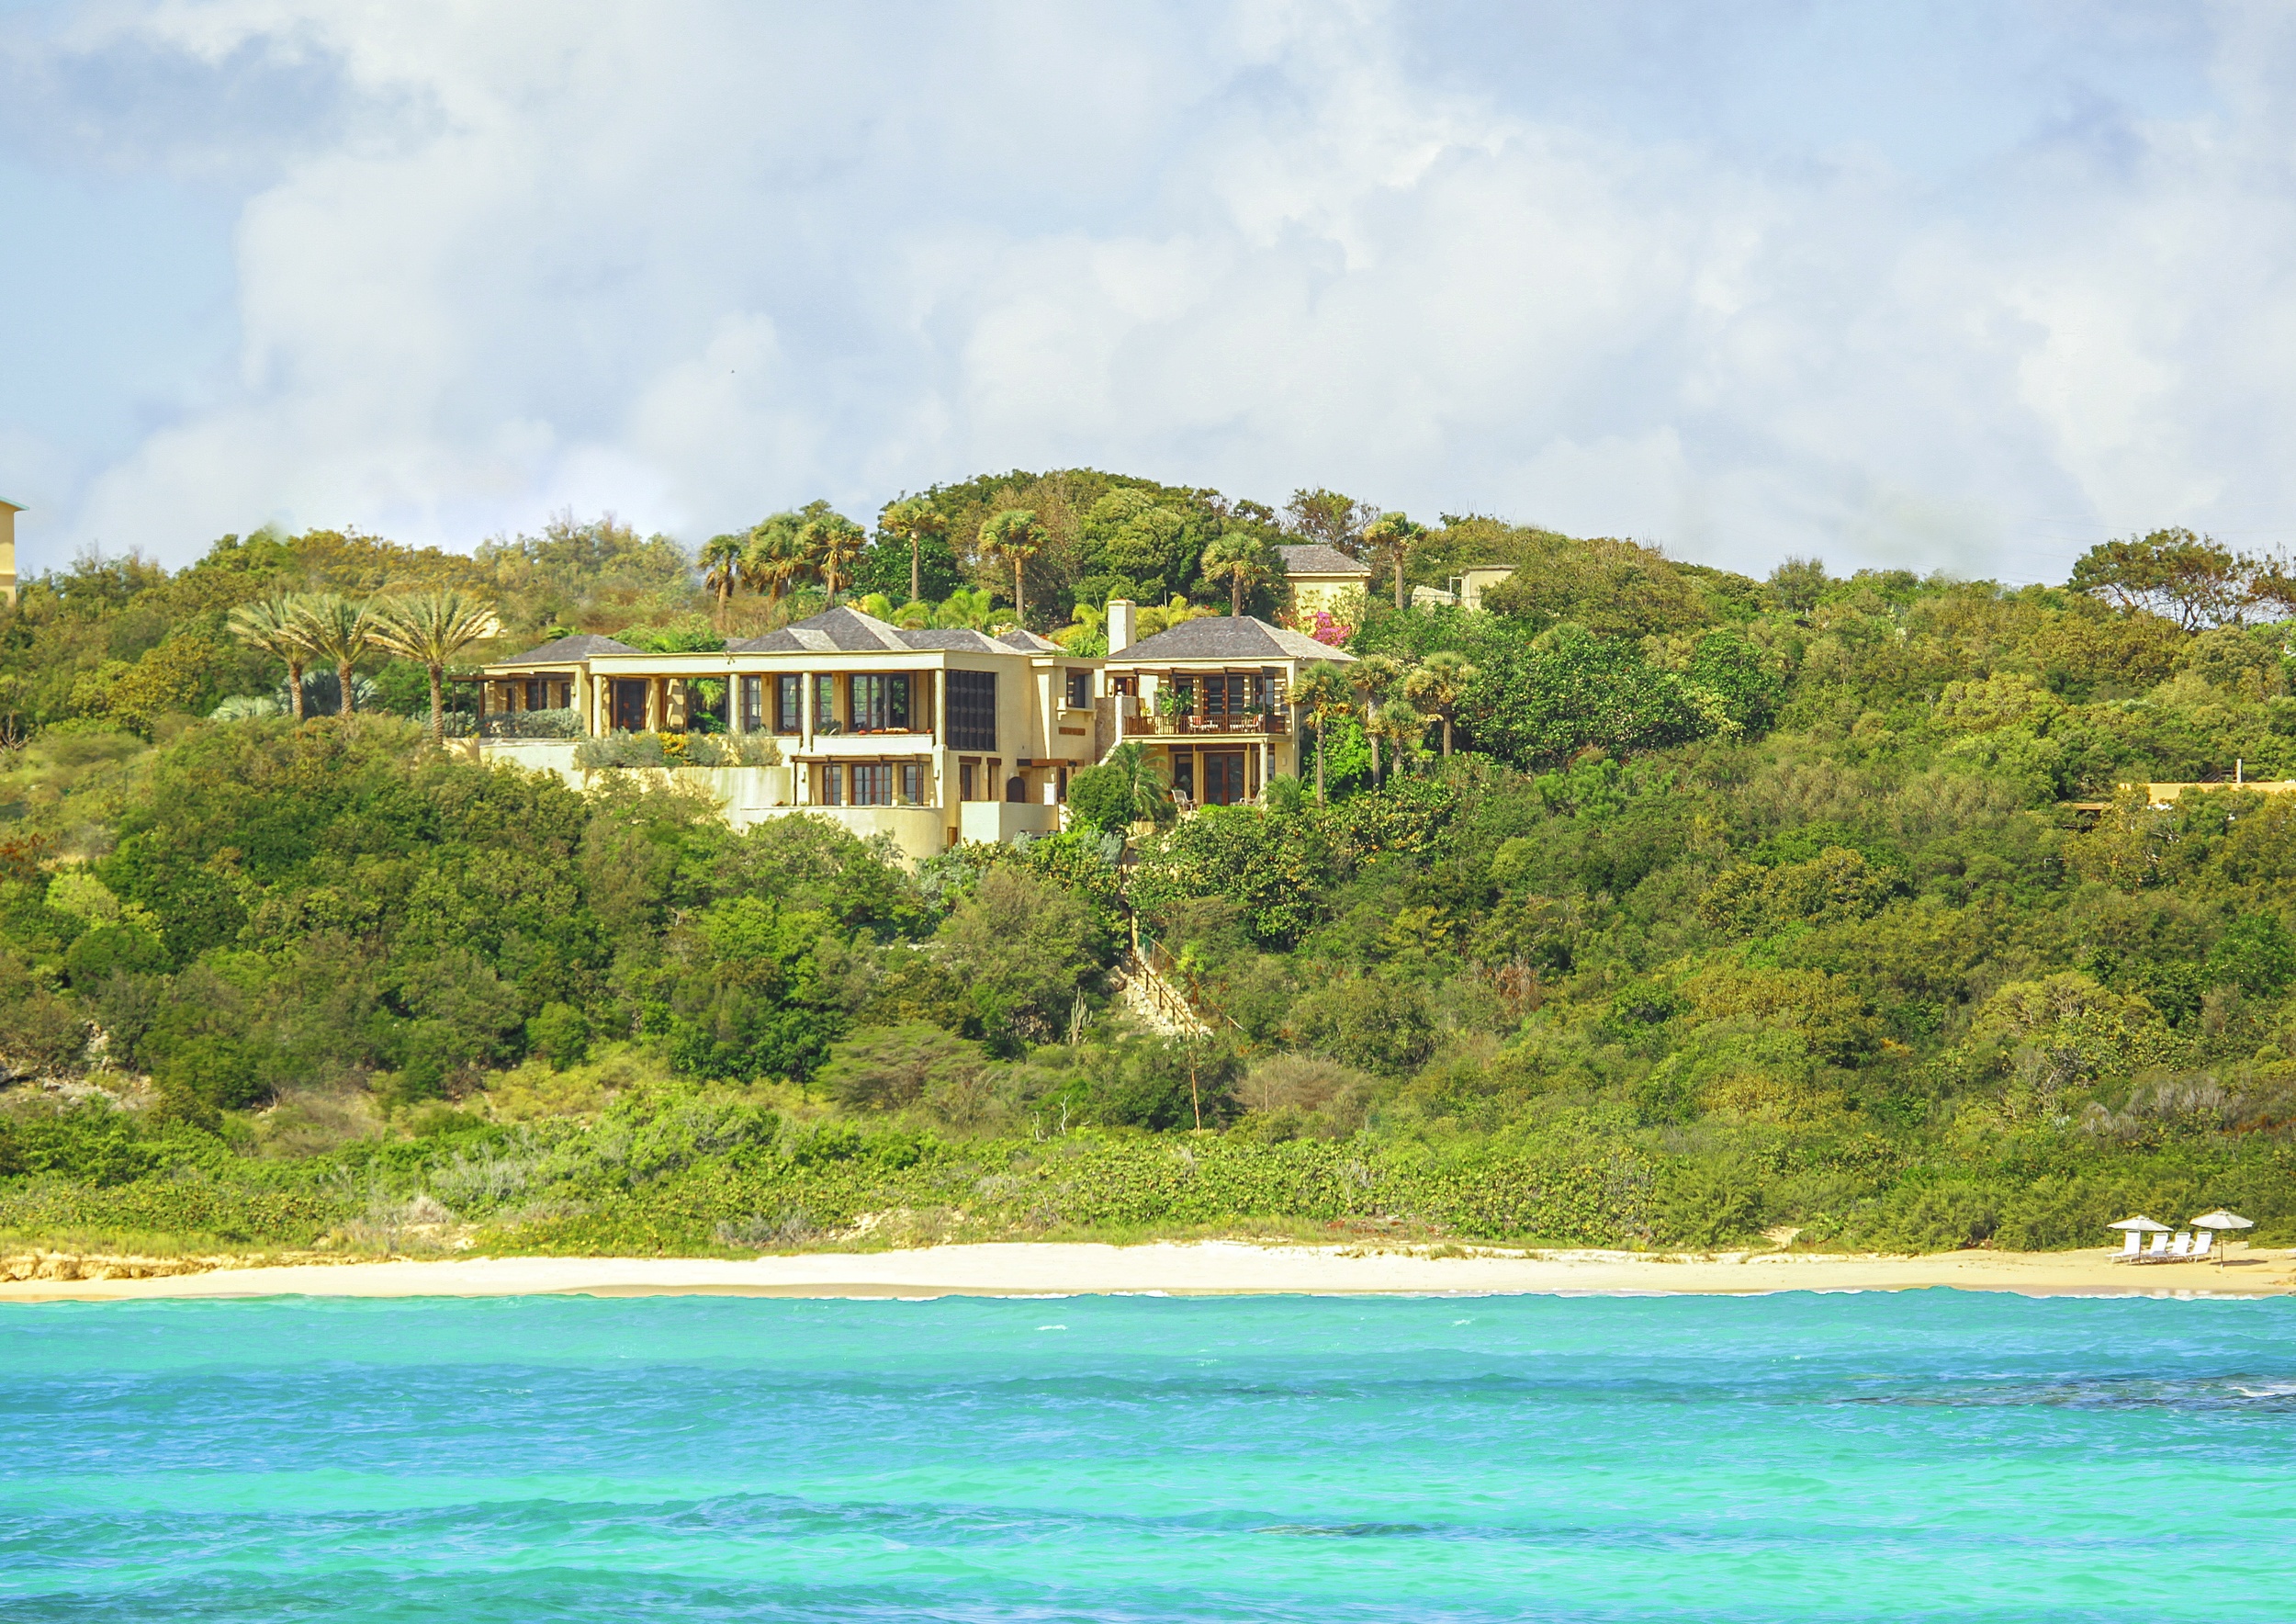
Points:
[(2131, 1244), (2182, 1246), (2159, 1250)]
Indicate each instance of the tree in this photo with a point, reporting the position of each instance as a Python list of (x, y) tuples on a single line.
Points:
[(432, 628), (275, 625), (1327, 516), (1015, 535), (774, 559), (341, 631), (2173, 573), (911, 520), (1126, 788), (1395, 535), (1240, 560), (721, 568), (1021, 947), (827, 542), (1441, 682), (1799, 583), (1324, 692), (1401, 726), (1375, 678)]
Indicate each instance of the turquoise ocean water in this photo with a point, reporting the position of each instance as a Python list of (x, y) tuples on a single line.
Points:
[(1931, 1455)]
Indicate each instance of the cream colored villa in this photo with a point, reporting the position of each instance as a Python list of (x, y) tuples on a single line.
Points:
[(1324, 578), (931, 736)]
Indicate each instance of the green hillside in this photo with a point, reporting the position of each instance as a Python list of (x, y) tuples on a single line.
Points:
[(1805, 905)]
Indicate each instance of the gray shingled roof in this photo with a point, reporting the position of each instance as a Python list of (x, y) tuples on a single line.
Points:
[(580, 646), (1315, 559), (1028, 642), (1217, 637), (960, 639), (841, 630)]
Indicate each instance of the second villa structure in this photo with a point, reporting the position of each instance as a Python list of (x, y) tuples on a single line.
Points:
[(931, 736)]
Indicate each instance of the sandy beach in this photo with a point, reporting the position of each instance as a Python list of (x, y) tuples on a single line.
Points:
[(1210, 1268)]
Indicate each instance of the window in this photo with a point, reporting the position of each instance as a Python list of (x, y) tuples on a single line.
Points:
[(629, 705), (967, 778), (1015, 788), (1223, 778), (535, 699), (832, 783), (1224, 695), (1059, 791), (1079, 690), (912, 777), (972, 710), (872, 783), (1184, 773), (752, 703), (881, 703), (825, 705), (789, 695)]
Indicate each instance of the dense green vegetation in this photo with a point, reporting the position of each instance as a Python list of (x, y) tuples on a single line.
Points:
[(1808, 904)]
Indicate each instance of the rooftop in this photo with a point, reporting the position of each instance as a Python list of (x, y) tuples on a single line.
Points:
[(580, 646), (847, 631), (1219, 636), (1315, 559)]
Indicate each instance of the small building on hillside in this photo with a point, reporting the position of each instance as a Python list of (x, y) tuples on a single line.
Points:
[(930, 737), (1465, 589), (1324, 578), (1211, 700)]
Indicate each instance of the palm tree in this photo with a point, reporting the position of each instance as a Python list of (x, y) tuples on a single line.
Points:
[(1441, 681), (771, 559), (1374, 677), (912, 519), (1323, 691), (1144, 781), (827, 542), (1015, 533), (721, 568), (338, 630), (1395, 535), (275, 626), (1240, 559), (1400, 725), (431, 628), (969, 607)]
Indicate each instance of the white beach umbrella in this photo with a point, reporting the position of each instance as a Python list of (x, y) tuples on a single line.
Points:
[(2222, 1220), (2141, 1224)]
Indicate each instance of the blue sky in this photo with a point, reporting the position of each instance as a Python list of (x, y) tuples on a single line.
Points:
[(1944, 287)]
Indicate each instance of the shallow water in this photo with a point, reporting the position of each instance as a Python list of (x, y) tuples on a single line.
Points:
[(1921, 1455)]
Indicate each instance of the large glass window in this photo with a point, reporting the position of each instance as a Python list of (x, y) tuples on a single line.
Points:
[(1223, 778), (629, 705), (789, 695), (912, 781), (881, 703), (825, 705), (972, 710), (752, 705), (833, 784), (1079, 690), (872, 783)]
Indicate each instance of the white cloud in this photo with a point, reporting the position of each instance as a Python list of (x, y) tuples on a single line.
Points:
[(695, 263)]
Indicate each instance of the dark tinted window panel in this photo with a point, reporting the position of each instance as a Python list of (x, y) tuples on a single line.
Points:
[(972, 710)]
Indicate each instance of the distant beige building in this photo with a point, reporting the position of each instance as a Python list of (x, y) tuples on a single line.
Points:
[(1466, 589), (1324, 578), (8, 511)]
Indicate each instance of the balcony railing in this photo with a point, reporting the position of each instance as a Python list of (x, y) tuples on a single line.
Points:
[(1258, 725)]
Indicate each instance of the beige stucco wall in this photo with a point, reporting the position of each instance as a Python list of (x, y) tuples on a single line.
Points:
[(8, 511), (1341, 597)]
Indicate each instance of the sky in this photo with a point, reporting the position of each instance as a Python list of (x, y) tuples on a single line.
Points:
[(1965, 288)]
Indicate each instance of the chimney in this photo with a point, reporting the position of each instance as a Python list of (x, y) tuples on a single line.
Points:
[(1121, 613), (8, 511)]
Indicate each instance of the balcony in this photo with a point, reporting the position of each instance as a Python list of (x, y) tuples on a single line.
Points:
[(1249, 725)]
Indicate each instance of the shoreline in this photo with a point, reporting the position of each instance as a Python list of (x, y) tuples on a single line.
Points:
[(1042, 1269)]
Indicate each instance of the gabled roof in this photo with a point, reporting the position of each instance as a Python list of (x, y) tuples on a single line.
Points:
[(1028, 642), (580, 646), (1219, 636), (1315, 559)]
